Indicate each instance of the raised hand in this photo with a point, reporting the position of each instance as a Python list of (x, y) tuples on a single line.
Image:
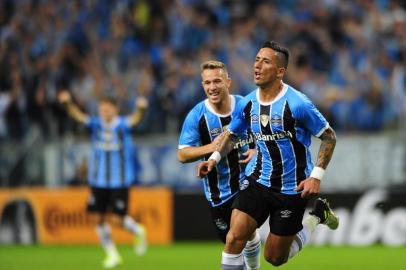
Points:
[(142, 103), (64, 97)]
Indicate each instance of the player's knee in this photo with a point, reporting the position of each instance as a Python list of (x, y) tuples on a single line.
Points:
[(233, 237), (275, 260), (98, 219), (117, 221)]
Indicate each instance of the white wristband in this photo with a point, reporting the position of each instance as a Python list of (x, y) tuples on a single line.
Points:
[(317, 173), (216, 156)]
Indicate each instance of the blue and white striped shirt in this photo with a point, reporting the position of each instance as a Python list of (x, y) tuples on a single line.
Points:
[(282, 129), (201, 126), (111, 159)]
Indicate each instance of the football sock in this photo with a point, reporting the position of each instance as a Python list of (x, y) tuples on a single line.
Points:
[(232, 261), (303, 237), (104, 233), (132, 226), (252, 252)]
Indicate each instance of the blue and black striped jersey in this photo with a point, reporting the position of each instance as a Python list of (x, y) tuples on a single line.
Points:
[(112, 153), (201, 126), (282, 130)]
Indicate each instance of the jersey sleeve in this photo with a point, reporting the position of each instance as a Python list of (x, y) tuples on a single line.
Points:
[(190, 136), (125, 122), (91, 122), (238, 124), (312, 119)]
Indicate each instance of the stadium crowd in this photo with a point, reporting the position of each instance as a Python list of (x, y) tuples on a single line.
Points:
[(349, 57)]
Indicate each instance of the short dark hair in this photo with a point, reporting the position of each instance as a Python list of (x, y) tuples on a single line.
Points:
[(283, 53)]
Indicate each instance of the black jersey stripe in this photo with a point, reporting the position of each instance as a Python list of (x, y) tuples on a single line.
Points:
[(121, 156), (299, 149), (212, 176), (256, 172), (232, 159), (96, 161), (247, 116), (247, 112), (108, 166), (273, 148)]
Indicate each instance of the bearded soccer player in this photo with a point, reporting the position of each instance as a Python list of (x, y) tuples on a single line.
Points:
[(198, 139), (281, 177)]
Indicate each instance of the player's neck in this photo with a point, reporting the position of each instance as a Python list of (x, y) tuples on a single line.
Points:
[(222, 107), (109, 121), (270, 92)]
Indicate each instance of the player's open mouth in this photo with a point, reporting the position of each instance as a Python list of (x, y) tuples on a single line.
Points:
[(257, 75)]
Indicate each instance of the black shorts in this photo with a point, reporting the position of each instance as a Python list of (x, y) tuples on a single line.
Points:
[(285, 211), (221, 216), (103, 200)]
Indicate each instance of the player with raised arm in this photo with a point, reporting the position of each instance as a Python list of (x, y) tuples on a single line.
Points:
[(111, 171), (281, 176), (198, 140)]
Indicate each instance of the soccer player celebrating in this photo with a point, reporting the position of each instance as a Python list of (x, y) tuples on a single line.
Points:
[(199, 138), (110, 170), (281, 176)]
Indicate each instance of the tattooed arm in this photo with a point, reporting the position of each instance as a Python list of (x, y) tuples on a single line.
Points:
[(225, 145), (311, 186), (328, 142)]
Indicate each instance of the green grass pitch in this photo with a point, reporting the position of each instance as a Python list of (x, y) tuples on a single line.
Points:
[(195, 256)]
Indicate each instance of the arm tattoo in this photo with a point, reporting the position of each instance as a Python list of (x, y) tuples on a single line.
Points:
[(328, 142), (227, 143)]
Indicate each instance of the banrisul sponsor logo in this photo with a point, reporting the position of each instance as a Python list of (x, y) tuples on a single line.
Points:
[(243, 142), (273, 136)]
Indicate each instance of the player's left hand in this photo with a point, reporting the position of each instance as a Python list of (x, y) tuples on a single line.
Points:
[(64, 97), (142, 102), (309, 187), (248, 154)]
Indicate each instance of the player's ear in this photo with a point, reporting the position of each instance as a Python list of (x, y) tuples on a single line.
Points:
[(229, 82), (280, 72)]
